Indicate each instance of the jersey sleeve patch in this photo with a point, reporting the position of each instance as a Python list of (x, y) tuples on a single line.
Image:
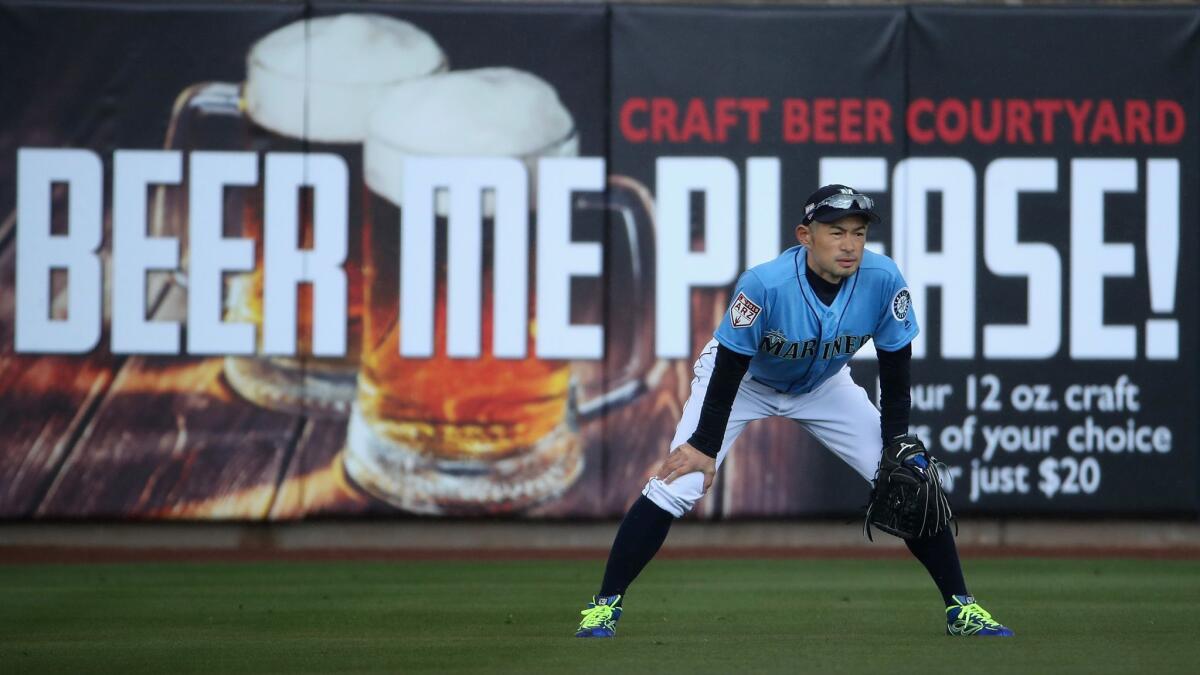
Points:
[(743, 312), (901, 303)]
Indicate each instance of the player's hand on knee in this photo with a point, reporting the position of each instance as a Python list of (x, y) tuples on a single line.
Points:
[(684, 460)]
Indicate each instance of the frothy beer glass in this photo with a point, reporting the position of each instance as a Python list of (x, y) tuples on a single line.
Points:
[(445, 435), (310, 87)]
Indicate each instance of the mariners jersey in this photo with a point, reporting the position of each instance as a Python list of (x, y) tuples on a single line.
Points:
[(796, 342)]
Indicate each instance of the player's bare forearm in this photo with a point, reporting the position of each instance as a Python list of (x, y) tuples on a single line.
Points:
[(684, 460)]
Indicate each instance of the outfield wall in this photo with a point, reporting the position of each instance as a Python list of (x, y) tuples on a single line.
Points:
[(477, 540), (280, 261)]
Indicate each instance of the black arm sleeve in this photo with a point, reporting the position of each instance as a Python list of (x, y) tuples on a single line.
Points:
[(718, 400), (895, 378)]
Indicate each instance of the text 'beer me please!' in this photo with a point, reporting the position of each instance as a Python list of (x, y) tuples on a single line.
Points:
[(72, 323)]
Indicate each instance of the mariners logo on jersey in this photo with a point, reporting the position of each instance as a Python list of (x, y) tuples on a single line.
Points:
[(900, 304), (774, 342), (799, 342)]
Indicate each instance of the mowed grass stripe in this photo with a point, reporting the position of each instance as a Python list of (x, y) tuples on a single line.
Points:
[(807, 616)]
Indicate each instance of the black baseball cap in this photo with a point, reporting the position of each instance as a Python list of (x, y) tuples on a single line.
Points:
[(836, 201)]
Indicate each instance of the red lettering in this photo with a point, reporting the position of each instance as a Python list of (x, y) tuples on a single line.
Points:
[(950, 120), (663, 113), (631, 132), (916, 109), (951, 132), (850, 121), (695, 122), (795, 120), (991, 133), (1047, 108), (824, 120), (754, 108), (1105, 124), (879, 120), (1163, 134), (1137, 121), (725, 117), (1017, 117), (1078, 115)]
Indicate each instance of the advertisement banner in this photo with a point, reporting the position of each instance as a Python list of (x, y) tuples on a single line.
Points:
[(203, 275), (329, 260), (1069, 390), (1037, 201)]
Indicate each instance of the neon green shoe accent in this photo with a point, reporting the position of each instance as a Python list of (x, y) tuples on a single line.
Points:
[(969, 618), (601, 615)]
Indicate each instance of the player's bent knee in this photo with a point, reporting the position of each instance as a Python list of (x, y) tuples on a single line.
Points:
[(669, 498)]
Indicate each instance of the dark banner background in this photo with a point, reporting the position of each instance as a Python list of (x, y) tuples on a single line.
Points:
[(1070, 54), (110, 436), (953, 53)]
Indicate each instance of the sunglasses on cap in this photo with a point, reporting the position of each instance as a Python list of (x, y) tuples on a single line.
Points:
[(841, 201)]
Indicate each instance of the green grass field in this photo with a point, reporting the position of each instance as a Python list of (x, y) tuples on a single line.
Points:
[(811, 616)]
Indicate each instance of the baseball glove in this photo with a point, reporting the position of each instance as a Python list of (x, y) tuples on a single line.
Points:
[(907, 498)]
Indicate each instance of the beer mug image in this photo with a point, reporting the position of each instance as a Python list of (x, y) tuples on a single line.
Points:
[(440, 434), (310, 87)]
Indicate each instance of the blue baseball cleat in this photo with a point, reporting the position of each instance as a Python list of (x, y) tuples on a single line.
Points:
[(600, 618), (966, 618)]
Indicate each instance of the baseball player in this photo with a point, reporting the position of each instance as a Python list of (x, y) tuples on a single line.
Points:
[(782, 349)]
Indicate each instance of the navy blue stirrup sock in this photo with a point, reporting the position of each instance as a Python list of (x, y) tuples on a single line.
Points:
[(641, 534), (939, 555)]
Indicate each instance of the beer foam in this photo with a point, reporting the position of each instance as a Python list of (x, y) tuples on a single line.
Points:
[(484, 112), (324, 76)]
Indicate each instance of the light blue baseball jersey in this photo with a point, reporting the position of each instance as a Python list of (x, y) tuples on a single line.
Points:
[(796, 342)]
